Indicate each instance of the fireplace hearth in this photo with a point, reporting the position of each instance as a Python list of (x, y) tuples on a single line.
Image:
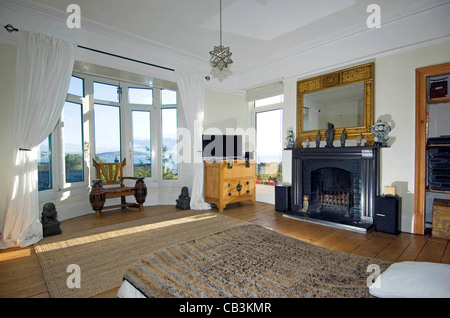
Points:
[(335, 186)]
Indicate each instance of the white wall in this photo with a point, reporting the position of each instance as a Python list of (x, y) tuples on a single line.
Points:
[(395, 102), (7, 86), (225, 110)]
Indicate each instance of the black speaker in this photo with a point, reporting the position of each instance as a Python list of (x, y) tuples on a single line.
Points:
[(282, 198), (386, 215)]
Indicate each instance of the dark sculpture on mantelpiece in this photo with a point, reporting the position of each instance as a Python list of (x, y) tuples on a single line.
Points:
[(184, 200), (50, 223), (318, 139), (329, 135), (343, 137)]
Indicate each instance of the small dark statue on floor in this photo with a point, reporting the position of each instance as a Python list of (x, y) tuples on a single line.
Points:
[(184, 200), (50, 222), (329, 135)]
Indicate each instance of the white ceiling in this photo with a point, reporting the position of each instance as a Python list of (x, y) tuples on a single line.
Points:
[(259, 32)]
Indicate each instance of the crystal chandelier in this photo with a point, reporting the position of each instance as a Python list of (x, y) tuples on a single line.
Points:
[(220, 56)]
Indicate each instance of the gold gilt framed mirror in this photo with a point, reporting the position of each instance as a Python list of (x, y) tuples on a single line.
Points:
[(344, 98)]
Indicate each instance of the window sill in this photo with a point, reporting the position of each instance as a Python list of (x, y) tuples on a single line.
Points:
[(267, 183)]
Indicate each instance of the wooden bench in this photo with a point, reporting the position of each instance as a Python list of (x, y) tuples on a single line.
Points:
[(110, 183)]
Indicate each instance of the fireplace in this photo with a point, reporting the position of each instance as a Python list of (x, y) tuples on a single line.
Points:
[(335, 186), (331, 190)]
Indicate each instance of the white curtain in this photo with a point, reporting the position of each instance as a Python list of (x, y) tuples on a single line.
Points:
[(192, 91), (44, 68)]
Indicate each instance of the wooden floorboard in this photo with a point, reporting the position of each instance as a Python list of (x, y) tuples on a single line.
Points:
[(21, 276)]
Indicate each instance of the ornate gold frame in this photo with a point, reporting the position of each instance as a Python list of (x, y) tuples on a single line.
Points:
[(363, 73)]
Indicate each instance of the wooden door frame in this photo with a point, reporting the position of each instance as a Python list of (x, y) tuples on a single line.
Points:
[(421, 141)]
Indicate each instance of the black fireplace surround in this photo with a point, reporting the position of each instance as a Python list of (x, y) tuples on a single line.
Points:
[(335, 185)]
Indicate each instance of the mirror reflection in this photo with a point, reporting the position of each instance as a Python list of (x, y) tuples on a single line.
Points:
[(343, 106)]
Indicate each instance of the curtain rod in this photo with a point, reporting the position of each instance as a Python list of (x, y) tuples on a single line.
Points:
[(11, 29)]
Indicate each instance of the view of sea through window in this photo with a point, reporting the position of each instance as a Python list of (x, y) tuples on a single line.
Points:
[(269, 145)]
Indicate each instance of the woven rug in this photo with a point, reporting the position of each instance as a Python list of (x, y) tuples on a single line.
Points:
[(251, 261), (104, 254)]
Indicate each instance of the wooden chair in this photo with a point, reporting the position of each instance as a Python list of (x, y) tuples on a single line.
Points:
[(111, 175)]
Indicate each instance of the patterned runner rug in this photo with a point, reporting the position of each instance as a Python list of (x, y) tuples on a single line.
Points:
[(251, 261)]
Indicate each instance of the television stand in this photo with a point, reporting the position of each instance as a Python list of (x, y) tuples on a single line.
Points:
[(229, 182)]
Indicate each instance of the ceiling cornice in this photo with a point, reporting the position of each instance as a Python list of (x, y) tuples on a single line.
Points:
[(35, 8), (247, 75), (340, 35)]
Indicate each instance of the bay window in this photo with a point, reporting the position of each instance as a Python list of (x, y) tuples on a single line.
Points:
[(109, 120)]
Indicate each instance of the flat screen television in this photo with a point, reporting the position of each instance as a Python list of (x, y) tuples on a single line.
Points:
[(222, 146)]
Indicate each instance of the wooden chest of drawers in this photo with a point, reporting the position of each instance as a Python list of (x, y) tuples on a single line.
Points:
[(228, 183)]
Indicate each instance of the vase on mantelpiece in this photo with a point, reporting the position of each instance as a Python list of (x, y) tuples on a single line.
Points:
[(380, 130)]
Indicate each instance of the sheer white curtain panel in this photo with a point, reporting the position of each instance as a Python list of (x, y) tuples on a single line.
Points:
[(44, 68), (192, 91)]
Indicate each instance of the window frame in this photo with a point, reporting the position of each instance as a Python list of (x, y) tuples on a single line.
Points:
[(254, 110), (52, 193), (78, 187), (128, 116)]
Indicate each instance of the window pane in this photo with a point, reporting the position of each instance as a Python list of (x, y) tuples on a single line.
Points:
[(107, 133), (141, 144), (168, 97), (45, 165), (106, 92), (140, 96), (73, 142), (76, 86), (169, 143), (270, 101), (269, 146)]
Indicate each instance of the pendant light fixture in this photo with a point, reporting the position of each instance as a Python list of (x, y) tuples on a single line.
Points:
[(220, 56)]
